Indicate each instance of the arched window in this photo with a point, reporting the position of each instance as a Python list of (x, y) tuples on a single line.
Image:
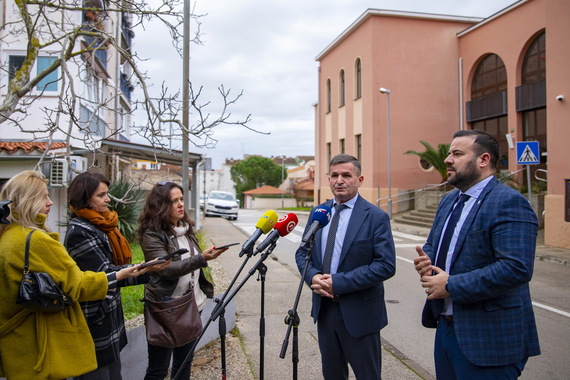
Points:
[(490, 77), (329, 95), (488, 105), (358, 78), (342, 87), (534, 65)]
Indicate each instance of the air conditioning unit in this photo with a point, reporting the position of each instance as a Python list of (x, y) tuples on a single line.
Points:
[(61, 173)]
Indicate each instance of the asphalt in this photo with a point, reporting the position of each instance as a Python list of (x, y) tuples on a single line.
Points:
[(253, 349), (280, 290)]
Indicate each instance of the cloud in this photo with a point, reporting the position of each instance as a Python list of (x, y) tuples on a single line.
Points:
[(268, 49)]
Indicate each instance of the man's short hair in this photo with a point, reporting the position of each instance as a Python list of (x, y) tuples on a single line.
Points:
[(346, 158), (484, 143)]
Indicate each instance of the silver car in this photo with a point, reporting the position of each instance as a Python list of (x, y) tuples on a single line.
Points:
[(223, 204)]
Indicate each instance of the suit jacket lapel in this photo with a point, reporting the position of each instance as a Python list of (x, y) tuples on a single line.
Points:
[(446, 206), (470, 218), (317, 250), (358, 216)]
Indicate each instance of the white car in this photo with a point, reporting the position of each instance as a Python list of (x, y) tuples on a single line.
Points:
[(223, 204)]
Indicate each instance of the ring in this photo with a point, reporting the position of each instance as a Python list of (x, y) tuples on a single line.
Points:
[(427, 291)]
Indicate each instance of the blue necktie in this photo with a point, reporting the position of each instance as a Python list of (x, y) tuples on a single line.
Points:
[(447, 235), (437, 305), (327, 258)]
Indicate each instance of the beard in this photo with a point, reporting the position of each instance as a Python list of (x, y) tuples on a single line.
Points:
[(467, 177)]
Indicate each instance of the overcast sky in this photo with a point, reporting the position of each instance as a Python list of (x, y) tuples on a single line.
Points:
[(267, 49)]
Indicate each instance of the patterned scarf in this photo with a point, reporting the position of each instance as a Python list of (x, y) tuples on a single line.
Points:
[(108, 222)]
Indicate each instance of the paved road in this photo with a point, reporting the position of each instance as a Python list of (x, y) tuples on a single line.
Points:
[(405, 298)]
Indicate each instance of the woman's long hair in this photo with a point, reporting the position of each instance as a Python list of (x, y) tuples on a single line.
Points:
[(156, 213), (27, 192)]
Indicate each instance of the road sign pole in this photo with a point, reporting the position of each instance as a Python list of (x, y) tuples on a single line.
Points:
[(528, 182)]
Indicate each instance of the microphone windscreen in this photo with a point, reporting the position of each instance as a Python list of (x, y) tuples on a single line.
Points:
[(322, 214), (286, 224), (267, 221)]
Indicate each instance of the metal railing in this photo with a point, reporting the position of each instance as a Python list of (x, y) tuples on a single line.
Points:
[(404, 196)]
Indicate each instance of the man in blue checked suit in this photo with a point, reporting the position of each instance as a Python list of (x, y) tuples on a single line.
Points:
[(476, 267), (346, 272)]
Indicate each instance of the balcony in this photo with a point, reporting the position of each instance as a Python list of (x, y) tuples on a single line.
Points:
[(531, 96), (487, 107)]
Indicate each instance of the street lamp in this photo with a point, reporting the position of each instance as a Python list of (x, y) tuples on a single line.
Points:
[(387, 92)]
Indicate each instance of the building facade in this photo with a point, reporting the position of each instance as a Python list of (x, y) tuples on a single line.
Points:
[(506, 74)]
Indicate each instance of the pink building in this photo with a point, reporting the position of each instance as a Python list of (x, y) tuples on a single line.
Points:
[(507, 74)]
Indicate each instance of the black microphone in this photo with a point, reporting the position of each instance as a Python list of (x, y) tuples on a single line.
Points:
[(283, 226), (320, 218), (263, 226)]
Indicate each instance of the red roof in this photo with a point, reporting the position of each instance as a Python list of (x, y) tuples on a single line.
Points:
[(28, 147), (265, 190)]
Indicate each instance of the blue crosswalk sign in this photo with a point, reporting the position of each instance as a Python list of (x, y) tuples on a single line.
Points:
[(528, 153)]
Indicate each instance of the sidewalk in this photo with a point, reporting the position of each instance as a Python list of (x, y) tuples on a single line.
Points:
[(280, 289), (243, 349), (543, 252)]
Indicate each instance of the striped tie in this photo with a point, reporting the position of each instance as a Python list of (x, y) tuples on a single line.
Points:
[(331, 238)]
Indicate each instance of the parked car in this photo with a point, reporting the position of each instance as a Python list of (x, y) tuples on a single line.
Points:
[(223, 204), (202, 201)]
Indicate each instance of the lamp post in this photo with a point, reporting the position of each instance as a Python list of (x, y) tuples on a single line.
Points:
[(387, 92), (282, 180)]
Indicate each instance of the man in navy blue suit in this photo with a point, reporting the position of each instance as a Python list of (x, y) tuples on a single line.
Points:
[(482, 242), (346, 271)]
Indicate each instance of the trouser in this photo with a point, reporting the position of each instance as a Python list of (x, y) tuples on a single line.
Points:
[(159, 361), (338, 348), (452, 364)]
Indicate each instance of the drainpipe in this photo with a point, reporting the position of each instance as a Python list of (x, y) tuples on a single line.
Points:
[(460, 63)]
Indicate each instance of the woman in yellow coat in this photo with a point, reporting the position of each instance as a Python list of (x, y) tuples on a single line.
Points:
[(37, 345)]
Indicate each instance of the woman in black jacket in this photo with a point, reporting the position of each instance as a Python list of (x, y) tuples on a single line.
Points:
[(95, 243)]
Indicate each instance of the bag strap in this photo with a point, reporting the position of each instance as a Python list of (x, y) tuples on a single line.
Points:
[(27, 254)]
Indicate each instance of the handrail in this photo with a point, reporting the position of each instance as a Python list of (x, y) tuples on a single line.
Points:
[(413, 191), (537, 177), (401, 196)]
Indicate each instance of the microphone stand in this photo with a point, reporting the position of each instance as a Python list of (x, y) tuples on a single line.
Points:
[(262, 268), (292, 319), (220, 308)]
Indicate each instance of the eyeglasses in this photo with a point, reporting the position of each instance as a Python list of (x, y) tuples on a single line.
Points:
[(162, 183)]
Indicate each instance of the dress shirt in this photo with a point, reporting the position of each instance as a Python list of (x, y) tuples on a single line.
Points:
[(473, 192), (340, 232)]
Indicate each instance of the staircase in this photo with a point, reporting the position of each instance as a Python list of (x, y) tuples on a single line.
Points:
[(419, 218)]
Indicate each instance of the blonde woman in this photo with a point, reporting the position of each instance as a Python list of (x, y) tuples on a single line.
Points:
[(37, 345)]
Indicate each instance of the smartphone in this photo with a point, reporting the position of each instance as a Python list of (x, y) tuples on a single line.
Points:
[(175, 253), (151, 263), (226, 246)]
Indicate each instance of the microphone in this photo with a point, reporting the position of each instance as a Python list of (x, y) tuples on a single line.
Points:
[(263, 226), (320, 218), (283, 226)]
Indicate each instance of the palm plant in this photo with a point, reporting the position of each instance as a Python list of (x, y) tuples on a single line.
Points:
[(126, 201), (434, 157)]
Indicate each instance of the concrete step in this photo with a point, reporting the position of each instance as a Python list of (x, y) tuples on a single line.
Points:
[(413, 223), (417, 218)]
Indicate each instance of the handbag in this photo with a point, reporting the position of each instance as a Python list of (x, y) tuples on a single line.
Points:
[(38, 291), (172, 323)]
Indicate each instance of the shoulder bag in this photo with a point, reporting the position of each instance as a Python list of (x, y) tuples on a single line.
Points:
[(172, 323), (38, 291)]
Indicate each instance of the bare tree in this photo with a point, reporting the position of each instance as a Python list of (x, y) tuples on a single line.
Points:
[(74, 40)]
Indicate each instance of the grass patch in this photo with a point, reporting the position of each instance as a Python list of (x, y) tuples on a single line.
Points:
[(296, 208), (131, 295)]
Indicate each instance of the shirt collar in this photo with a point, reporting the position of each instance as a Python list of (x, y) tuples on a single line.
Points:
[(475, 190), (349, 203)]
